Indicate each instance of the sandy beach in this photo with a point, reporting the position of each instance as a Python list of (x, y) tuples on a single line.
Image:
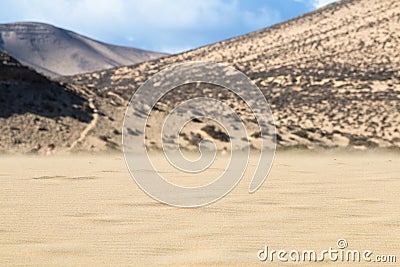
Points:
[(86, 210)]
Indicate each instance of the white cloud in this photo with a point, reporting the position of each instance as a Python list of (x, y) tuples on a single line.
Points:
[(264, 17), (161, 23), (321, 3), (316, 3)]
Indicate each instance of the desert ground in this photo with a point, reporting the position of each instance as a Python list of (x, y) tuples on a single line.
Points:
[(86, 210), (332, 81)]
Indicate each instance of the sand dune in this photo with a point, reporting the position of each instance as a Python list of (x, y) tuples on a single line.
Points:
[(95, 215)]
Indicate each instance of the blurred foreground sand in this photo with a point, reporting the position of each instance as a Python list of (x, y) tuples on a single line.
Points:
[(85, 210)]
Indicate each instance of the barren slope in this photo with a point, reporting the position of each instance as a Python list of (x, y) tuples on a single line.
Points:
[(55, 51), (332, 76), (36, 111)]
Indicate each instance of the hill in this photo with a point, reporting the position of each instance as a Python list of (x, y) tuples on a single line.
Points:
[(332, 76), (37, 112), (55, 52)]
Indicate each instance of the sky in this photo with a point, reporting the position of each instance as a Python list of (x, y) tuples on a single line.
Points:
[(169, 26)]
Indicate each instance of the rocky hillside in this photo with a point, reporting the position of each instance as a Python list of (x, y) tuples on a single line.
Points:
[(37, 113), (332, 77), (54, 51)]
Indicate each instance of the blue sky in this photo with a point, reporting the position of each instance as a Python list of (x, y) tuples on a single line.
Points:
[(161, 25)]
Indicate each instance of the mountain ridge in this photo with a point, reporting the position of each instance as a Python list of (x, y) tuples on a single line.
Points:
[(55, 51), (332, 79)]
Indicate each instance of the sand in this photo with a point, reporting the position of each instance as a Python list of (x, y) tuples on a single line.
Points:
[(85, 210)]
